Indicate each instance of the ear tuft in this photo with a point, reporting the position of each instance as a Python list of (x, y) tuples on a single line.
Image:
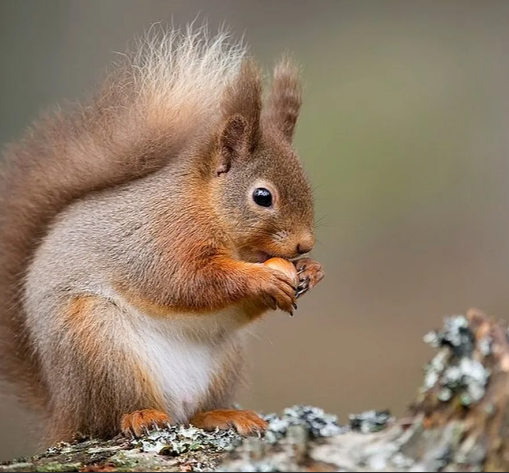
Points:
[(285, 99), (233, 142), (243, 96)]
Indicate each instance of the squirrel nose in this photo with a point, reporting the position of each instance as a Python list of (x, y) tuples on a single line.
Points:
[(305, 244)]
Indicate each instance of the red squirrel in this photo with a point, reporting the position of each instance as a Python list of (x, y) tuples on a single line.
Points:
[(134, 232)]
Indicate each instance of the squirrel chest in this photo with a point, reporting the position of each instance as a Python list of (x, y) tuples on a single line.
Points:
[(186, 357)]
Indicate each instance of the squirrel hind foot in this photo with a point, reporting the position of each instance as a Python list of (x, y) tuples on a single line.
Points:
[(245, 422), (143, 421)]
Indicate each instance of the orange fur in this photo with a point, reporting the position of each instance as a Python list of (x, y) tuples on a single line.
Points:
[(139, 422), (233, 281), (251, 309), (244, 422)]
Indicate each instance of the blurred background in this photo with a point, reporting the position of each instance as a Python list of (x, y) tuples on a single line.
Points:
[(404, 134)]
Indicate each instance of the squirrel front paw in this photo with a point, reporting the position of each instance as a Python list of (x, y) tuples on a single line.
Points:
[(278, 289), (310, 273)]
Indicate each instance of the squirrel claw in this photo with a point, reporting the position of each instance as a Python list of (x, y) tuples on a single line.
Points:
[(140, 422), (244, 422), (302, 287), (304, 281), (310, 274)]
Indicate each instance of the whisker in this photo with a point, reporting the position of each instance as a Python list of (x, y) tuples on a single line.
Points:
[(321, 218)]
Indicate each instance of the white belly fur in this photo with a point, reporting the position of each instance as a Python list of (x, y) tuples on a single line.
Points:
[(182, 354)]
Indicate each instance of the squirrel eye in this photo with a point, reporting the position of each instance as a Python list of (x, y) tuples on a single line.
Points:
[(262, 197)]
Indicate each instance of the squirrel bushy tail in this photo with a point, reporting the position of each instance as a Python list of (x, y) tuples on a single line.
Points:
[(156, 100)]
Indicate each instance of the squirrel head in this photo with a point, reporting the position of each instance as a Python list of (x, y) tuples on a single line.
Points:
[(264, 194)]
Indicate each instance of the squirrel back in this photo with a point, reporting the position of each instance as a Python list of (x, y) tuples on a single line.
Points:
[(157, 100)]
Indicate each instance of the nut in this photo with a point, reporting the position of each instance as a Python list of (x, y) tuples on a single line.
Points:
[(284, 266)]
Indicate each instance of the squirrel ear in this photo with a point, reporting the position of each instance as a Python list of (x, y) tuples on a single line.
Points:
[(243, 96), (233, 142), (285, 99)]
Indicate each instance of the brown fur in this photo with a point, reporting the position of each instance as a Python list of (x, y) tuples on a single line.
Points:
[(285, 100), (62, 158), (243, 99), (142, 201), (105, 395)]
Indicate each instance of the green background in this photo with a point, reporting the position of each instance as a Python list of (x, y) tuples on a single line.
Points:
[(404, 134)]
